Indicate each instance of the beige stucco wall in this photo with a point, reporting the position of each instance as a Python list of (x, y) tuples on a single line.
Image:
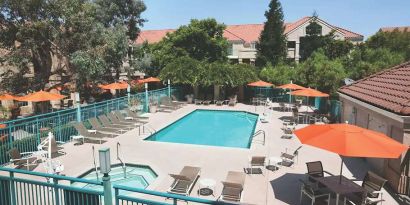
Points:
[(368, 117)]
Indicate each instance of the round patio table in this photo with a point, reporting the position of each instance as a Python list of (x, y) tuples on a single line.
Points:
[(206, 187)]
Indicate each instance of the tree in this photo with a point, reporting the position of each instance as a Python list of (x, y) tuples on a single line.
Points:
[(395, 41), (272, 41), (322, 73), (201, 40), (278, 75), (45, 35)]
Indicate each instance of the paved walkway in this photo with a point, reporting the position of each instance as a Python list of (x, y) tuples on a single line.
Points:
[(273, 187)]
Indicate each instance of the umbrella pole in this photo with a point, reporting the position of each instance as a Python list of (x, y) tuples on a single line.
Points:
[(341, 170)]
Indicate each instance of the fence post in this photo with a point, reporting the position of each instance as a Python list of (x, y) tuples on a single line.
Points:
[(146, 98), (12, 189), (105, 169), (59, 126), (169, 88), (77, 99), (56, 194), (38, 132), (117, 202), (129, 95)]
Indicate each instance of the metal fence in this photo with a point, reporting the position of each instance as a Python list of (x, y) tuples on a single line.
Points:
[(25, 134), (21, 187)]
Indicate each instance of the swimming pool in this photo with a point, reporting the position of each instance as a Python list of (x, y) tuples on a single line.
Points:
[(210, 127), (137, 176)]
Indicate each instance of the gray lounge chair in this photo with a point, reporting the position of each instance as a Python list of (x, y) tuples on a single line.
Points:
[(233, 101), (166, 102), (122, 118), (109, 130), (198, 102), (84, 132), (132, 114), (56, 147), (233, 187), (113, 118), (22, 159), (184, 181), (106, 123), (219, 102), (175, 100)]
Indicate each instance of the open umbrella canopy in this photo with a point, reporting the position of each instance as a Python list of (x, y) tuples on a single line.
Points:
[(8, 97), (350, 141), (41, 96), (149, 80), (291, 86), (115, 86), (260, 83), (309, 92)]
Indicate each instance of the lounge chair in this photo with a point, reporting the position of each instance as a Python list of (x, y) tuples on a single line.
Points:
[(132, 114), (108, 130), (88, 134), (219, 102), (175, 100), (313, 192), (56, 146), (106, 123), (233, 187), (21, 159), (113, 118), (166, 102), (256, 161), (232, 101), (289, 159), (184, 181), (122, 118), (373, 185), (198, 102), (287, 133)]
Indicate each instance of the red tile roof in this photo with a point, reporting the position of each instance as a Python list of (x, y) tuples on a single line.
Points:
[(245, 32), (388, 89), (391, 29)]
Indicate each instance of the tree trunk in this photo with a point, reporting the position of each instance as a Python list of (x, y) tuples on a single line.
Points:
[(196, 89), (217, 92), (42, 63)]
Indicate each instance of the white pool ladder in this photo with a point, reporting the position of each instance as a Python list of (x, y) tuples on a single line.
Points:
[(259, 132), (95, 164), (150, 129), (124, 168)]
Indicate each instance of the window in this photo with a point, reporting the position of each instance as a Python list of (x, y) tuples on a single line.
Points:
[(291, 44), (230, 49), (253, 45)]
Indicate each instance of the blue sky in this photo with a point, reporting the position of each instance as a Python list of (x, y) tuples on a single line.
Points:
[(362, 16)]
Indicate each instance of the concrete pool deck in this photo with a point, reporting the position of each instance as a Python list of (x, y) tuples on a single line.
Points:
[(273, 187)]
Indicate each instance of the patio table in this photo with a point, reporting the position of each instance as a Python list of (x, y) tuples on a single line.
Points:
[(346, 187)]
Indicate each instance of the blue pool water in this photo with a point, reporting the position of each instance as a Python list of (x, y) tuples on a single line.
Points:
[(210, 127), (137, 176)]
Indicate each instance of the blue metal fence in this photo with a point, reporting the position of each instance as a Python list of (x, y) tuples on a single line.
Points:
[(34, 188), (25, 134)]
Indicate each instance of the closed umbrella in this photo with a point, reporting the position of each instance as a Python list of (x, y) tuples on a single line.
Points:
[(350, 141)]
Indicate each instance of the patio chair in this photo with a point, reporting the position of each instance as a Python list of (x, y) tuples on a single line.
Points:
[(122, 118), (184, 181), (233, 187), (258, 162), (22, 159), (373, 185), (313, 192), (282, 106), (289, 159), (92, 135), (219, 102), (109, 130), (315, 170), (106, 123), (287, 133)]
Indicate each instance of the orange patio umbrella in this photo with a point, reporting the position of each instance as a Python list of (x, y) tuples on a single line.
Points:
[(8, 97), (350, 141), (260, 83), (309, 92), (151, 80), (41, 96), (291, 86), (115, 86)]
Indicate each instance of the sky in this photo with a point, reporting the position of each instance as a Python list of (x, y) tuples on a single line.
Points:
[(361, 16)]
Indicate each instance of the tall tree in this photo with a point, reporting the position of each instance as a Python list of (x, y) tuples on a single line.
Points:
[(272, 41)]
